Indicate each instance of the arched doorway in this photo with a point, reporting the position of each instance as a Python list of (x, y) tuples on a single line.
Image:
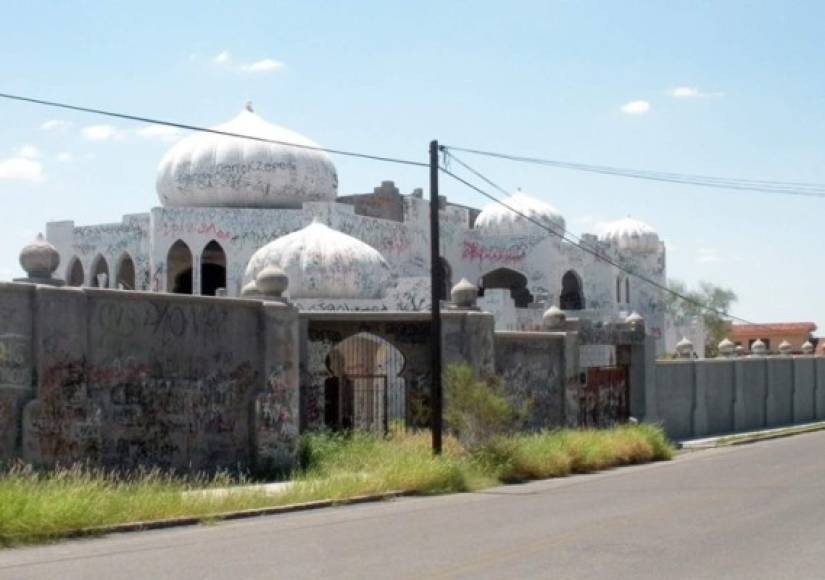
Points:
[(74, 273), (447, 278), (365, 390), (126, 273), (511, 280), (179, 269), (571, 297), (100, 273), (213, 268)]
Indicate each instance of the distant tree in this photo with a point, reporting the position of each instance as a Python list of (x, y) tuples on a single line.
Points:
[(714, 298)]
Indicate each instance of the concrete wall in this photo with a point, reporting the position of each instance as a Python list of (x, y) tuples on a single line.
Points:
[(533, 368), (696, 398), (127, 379)]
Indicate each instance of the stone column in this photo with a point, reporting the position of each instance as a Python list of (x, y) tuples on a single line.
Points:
[(16, 364), (467, 333), (278, 405)]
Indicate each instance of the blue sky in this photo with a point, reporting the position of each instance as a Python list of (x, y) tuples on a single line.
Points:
[(541, 78)]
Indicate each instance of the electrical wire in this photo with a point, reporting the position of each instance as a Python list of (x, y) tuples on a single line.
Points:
[(805, 189), (599, 255), (185, 126)]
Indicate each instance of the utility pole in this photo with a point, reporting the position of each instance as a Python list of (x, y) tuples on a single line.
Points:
[(436, 284)]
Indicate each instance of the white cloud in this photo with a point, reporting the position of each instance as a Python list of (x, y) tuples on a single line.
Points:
[(635, 107), (222, 58), (29, 152), (99, 132), (55, 125), (685, 92), (21, 169), (159, 132), (65, 157), (265, 65)]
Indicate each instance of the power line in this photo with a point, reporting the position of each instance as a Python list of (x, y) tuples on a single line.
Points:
[(799, 188), (130, 117), (585, 248)]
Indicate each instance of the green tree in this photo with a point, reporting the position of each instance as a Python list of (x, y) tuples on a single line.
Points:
[(714, 298)]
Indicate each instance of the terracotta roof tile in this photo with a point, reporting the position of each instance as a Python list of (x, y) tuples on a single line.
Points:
[(746, 329)]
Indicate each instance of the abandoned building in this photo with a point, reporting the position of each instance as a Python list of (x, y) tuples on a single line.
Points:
[(256, 304), (230, 206)]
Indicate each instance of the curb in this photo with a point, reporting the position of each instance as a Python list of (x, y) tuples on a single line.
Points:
[(746, 438), (224, 516)]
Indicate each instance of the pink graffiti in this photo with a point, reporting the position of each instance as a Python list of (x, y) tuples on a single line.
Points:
[(506, 255)]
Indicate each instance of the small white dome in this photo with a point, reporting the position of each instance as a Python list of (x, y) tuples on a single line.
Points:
[(207, 169), (631, 234), (324, 263), (499, 220)]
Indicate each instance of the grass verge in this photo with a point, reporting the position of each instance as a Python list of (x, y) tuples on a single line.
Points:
[(38, 507)]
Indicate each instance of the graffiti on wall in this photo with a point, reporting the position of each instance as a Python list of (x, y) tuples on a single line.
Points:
[(15, 364)]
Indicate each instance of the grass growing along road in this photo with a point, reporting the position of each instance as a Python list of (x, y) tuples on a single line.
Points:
[(37, 507)]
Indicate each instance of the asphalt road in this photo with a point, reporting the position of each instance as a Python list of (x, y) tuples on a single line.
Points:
[(754, 511)]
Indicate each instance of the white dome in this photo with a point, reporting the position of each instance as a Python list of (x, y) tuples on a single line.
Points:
[(207, 169), (499, 220), (324, 263), (630, 234)]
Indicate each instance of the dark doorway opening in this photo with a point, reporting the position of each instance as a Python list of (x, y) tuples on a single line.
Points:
[(510, 280)]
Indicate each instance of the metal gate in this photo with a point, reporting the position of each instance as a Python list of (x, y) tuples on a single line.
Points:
[(364, 389), (358, 402), (604, 399)]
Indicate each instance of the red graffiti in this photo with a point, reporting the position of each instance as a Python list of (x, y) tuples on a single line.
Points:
[(505, 254)]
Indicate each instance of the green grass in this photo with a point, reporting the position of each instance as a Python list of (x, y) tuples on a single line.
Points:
[(37, 507)]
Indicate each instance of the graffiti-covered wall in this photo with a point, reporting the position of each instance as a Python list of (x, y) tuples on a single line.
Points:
[(532, 367), (530, 261), (128, 379)]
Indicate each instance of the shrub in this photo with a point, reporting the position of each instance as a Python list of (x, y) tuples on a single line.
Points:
[(476, 411)]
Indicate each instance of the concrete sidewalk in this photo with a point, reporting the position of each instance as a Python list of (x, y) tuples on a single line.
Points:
[(749, 436)]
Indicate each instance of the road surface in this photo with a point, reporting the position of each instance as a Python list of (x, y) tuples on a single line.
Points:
[(754, 511)]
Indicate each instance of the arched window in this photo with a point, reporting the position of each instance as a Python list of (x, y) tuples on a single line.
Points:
[(365, 390), (100, 273), (511, 280), (126, 273), (571, 297), (618, 289), (627, 290), (179, 269), (74, 273), (447, 277), (213, 268)]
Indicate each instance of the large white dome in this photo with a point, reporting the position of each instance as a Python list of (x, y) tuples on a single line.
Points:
[(207, 169), (631, 234), (496, 219), (324, 263)]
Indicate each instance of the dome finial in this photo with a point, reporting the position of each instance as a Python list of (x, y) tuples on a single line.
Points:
[(248, 107)]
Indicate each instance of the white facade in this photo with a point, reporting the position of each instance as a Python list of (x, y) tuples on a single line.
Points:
[(521, 267)]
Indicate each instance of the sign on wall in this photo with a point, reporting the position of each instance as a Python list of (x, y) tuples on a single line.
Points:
[(597, 355)]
